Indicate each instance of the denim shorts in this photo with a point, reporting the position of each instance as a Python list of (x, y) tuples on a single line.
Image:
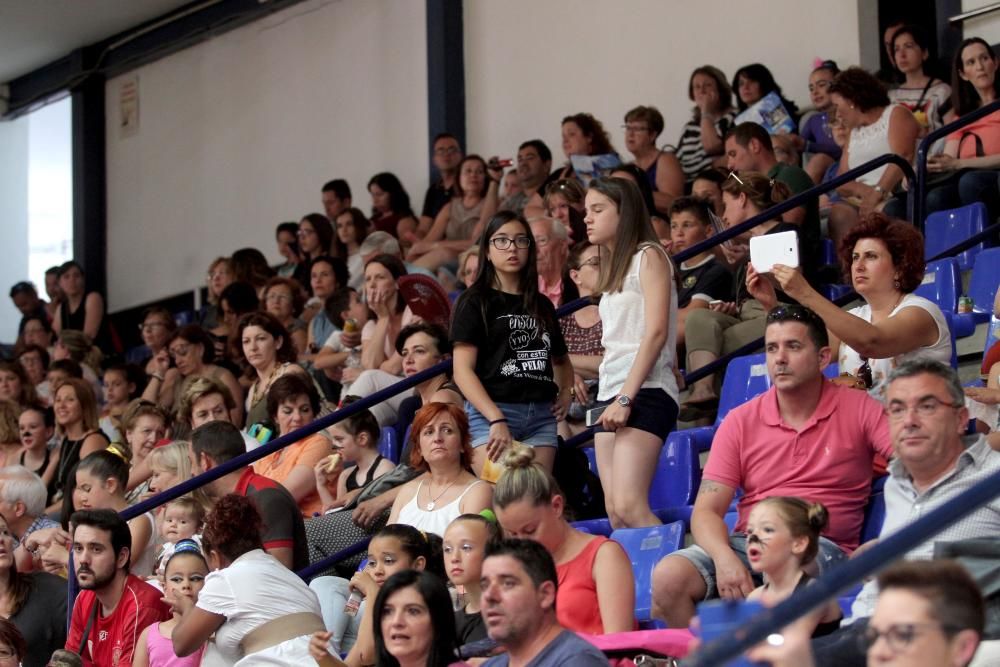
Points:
[(530, 423), (829, 555)]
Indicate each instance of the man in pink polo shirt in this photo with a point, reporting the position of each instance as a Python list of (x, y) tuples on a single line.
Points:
[(804, 437)]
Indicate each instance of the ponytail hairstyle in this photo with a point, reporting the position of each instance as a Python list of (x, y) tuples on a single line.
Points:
[(361, 422), (417, 544), (110, 463), (804, 519), (761, 191), (524, 478), (634, 230)]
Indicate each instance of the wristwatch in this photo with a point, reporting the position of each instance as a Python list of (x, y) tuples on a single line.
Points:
[(624, 401)]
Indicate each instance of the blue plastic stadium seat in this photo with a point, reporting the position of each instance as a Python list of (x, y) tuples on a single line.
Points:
[(942, 284), (645, 548), (944, 229), (983, 283), (591, 454), (874, 511), (388, 444), (137, 354), (827, 252), (593, 526), (834, 291), (678, 474), (186, 317)]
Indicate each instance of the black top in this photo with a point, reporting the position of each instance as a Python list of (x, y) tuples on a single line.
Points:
[(352, 479), (709, 277), (435, 199), (45, 463), (69, 456), (42, 618), (77, 318), (515, 348), (469, 627)]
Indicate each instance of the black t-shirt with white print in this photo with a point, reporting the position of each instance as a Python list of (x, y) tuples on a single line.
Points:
[(515, 349)]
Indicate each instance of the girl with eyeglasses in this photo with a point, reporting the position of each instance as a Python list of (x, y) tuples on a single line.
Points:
[(636, 377), (510, 358)]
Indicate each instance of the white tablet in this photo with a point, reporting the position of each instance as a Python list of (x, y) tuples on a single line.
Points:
[(771, 249)]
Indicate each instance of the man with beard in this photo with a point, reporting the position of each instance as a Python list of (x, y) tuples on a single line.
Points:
[(804, 437), (114, 607)]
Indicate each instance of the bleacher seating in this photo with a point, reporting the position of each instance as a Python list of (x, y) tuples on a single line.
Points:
[(944, 229), (388, 444), (645, 548)]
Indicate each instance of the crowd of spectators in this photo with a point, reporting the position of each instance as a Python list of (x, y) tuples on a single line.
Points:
[(471, 534)]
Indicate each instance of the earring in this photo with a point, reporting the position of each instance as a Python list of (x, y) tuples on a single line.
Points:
[(895, 283)]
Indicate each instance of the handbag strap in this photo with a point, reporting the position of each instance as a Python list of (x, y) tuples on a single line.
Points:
[(90, 623)]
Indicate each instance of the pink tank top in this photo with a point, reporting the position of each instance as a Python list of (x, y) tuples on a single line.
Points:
[(576, 598), (161, 651)]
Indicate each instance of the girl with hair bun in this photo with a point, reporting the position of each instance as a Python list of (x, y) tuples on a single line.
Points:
[(596, 589), (782, 541)]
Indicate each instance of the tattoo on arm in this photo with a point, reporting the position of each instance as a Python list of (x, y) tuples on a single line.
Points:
[(708, 486)]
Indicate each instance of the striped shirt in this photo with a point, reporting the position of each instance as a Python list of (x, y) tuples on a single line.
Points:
[(690, 151)]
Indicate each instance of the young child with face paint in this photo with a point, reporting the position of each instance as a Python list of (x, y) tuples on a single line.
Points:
[(782, 540)]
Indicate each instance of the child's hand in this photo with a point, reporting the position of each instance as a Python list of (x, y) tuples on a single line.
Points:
[(318, 645), (179, 604), (328, 476), (363, 583)]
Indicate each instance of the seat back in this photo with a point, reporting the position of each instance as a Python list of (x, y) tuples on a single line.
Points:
[(942, 284), (874, 512), (645, 548), (678, 474), (944, 229), (745, 378), (984, 280), (388, 444)]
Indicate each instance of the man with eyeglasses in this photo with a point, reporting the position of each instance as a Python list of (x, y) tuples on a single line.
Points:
[(928, 613), (934, 462), (804, 437), (552, 251), (447, 155)]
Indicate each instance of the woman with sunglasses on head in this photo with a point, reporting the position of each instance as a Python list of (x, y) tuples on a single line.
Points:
[(885, 260), (510, 358)]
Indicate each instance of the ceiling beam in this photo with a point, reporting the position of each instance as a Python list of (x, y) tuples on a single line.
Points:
[(146, 42)]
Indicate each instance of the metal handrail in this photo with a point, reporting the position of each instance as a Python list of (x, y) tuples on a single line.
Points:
[(846, 574), (917, 211), (974, 13), (798, 200)]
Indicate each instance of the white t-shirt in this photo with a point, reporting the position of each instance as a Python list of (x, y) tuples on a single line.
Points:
[(253, 590), (850, 361)]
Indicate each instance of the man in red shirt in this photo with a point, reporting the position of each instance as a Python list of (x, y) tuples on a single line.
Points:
[(216, 442), (804, 437), (114, 606)]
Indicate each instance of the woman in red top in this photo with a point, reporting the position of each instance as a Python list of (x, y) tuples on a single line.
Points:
[(972, 154), (596, 592)]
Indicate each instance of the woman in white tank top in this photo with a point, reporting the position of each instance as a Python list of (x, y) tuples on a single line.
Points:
[(877, 127), (636, 378)]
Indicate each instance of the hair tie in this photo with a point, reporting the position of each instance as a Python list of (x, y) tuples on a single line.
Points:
[(115, 448), (187, 545), (423, 535), (770, 183), (489, 515)]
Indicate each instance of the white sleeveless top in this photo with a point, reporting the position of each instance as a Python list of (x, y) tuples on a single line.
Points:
[(869, 142), (432, 521), (624, 320), (850, 361)]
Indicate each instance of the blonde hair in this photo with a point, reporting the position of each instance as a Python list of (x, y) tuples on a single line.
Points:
[(197, 387), (172, 458), (10, 431), (81, 349), (524, 478)]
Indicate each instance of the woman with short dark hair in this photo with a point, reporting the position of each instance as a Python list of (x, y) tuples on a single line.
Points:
[(267, 354), (643, 126)]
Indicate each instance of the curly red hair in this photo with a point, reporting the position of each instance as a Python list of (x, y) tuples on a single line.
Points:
[(429, 413), (904, 243), (233, 527)]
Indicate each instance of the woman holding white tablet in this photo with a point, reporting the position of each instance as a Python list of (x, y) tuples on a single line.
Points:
[(885, 260), (726, 326)]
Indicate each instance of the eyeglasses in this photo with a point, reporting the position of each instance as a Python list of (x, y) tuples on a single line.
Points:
[(179, 351), (925, 407), (635, 128), (450, 150), (505, 242), (149, 326), (865, 373), (594, 261), (899, 635)]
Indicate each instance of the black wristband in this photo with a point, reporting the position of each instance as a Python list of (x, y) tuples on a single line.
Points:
[(502, 420)]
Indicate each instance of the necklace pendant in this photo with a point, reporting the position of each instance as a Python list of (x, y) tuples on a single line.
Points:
[(429, 505)]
